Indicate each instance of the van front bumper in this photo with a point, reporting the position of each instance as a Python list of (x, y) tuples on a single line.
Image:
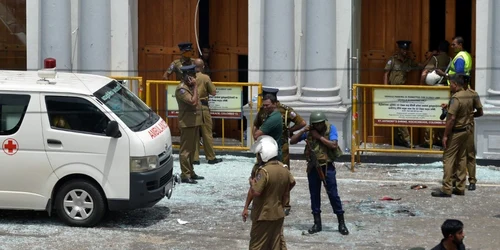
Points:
[(146, 189)]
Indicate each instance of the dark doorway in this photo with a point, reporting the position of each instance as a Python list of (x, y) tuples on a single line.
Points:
[(243, 77), (437, 23), (462, 25), (463, 22), (243, 74), (204, 23)]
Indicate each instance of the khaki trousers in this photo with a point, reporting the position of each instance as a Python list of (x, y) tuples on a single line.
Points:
[(454, 162), (189, 139)]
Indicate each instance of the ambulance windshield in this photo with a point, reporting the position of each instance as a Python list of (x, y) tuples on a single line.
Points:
[(127, 106)]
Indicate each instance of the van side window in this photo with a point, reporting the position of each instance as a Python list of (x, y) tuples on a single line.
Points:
[(12, 110), (75, 114)]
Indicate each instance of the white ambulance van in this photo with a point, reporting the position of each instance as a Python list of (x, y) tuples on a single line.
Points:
[(81, 145)]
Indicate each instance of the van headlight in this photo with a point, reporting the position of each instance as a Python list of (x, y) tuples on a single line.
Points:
[(143, 164)]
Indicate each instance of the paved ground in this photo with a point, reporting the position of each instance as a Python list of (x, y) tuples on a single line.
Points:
[(212, 210)]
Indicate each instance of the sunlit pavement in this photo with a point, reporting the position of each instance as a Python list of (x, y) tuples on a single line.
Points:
[(211, 213)]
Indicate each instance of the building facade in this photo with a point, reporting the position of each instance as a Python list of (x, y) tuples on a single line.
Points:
[(313, 51)]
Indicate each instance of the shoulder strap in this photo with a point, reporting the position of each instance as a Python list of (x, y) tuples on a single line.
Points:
[(286, 117), (449, 65)]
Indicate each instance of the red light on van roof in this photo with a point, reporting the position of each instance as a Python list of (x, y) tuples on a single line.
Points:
[(49, 63)]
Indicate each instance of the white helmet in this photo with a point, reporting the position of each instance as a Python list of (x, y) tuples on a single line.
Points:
[(266, 146), (432, 78)]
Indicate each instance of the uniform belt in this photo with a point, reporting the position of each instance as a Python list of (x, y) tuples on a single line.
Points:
[(328, 165), (204, 102), (458, 130)]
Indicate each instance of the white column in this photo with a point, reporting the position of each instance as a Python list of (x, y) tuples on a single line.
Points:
[(55, 33), (95, 37), (33, 28), (123, 37), (74, 33), (300, 49), (494, 51), (255, 41), (255, 62), (487, 50), (348, 33), (321, 84), (279, 48)]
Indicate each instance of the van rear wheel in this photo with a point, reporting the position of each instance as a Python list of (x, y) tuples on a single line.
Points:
[(80, 203)]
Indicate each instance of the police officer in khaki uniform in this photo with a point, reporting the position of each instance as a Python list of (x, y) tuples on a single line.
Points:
[(471, 147), (186, 49), (396, 71), (322, 142), (288, 115), (189, 122), (205, 56), (440, 61), (205, 87), (455, 138), (271, 182)]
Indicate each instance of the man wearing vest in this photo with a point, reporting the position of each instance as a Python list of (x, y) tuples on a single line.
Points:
[(461, 63), (322, 149)]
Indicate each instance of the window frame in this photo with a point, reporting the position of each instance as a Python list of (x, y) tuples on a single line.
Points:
[(16, 128), (84, 98)]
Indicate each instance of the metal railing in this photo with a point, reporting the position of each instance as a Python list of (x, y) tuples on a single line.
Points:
[(137, 89), (153, 100), (359, 124)]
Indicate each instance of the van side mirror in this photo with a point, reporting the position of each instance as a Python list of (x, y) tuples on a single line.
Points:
[(113, 130)]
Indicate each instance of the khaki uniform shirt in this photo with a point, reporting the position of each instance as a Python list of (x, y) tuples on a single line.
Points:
[(440, 61), (288, 115), (461, 106), (176, 66), (476, 103), (399, 69), (189, 115), (206, 70), (273, 181), (205, 86)]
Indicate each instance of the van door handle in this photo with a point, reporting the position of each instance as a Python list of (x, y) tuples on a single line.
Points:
[(52, 141)]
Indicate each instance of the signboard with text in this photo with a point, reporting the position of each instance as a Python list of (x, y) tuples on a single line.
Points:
[(227, 102), (409, 107)]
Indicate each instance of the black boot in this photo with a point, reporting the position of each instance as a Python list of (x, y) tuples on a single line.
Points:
[(317, 224), (342, 228)]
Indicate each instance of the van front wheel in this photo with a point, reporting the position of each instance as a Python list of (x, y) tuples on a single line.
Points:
[(79, 203)]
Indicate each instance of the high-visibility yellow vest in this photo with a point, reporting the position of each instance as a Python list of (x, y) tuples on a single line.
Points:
[(468, 63)]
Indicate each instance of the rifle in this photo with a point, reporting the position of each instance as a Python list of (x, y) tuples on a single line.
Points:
[(313, 163)]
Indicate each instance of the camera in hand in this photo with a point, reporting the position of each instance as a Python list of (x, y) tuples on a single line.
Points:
[(444, 113)]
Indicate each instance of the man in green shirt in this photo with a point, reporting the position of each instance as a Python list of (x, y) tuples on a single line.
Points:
[(273, 125)]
